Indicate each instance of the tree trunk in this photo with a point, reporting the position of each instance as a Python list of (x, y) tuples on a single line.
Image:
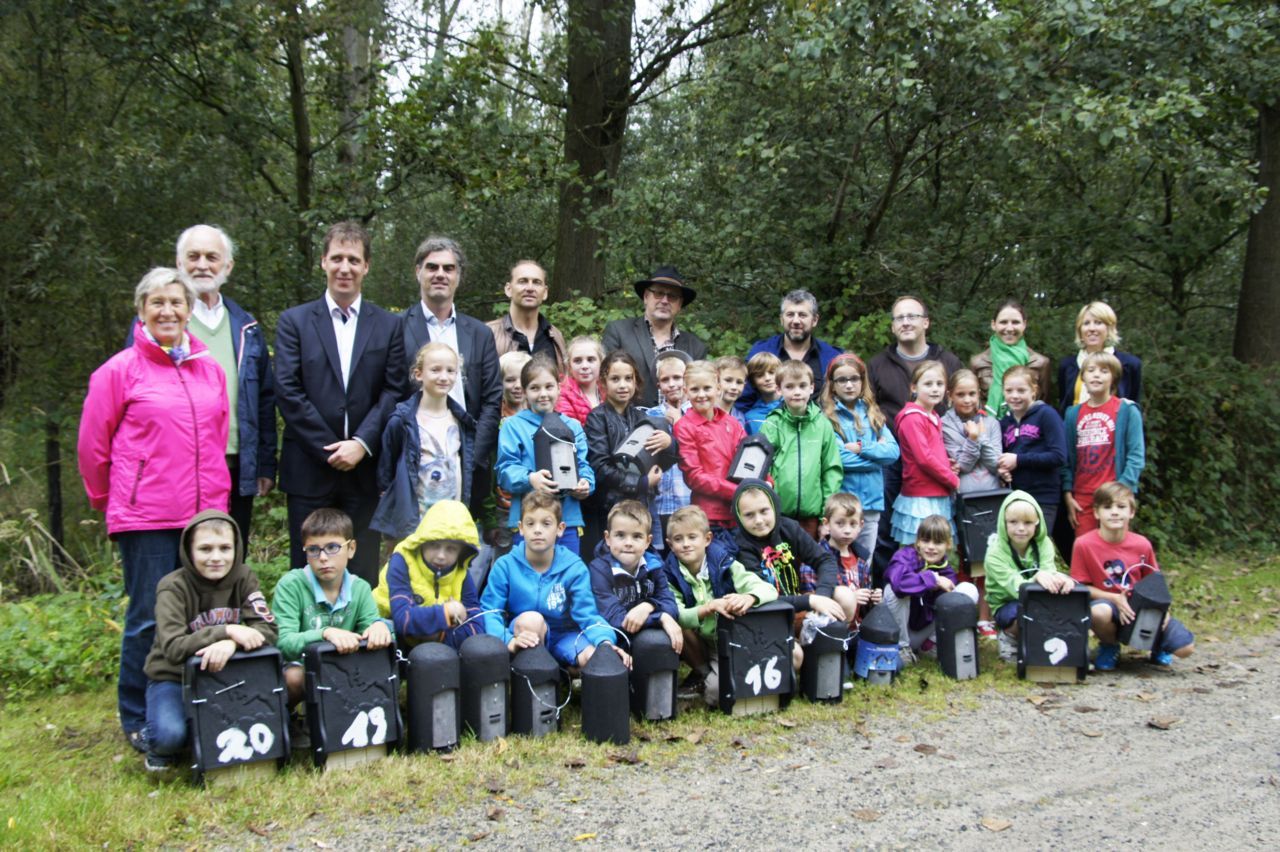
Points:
[(294, 48), (599, 65), (53, 490), (1258, 314)]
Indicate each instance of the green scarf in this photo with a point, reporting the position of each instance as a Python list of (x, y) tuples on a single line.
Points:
[(1003, 357)]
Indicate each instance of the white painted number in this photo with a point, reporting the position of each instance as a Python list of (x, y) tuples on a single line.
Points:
[(357, 734), (772, 677), (1056, 648), (237, 746)]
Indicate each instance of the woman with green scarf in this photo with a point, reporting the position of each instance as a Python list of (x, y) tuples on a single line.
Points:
[(1007, 349)]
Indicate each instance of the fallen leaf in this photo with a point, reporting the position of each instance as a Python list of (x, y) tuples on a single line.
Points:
[(695, 737), (478, 836), (117, 758), (1202, 690), (631, 758), (793, 767), (1092, 733), (493, 785), (1085, 708), (1037, 700), (785, 722), (995, 824), (502, 745), (947, 756), (902, 738), (448, 757), (1145, 696), (739, 742), (1163, 723), (575, 763), (886, 763), (258, 830), (590, 835), (866, 815), (320, 844), (1229, 684), (494, 813), (925, 748)]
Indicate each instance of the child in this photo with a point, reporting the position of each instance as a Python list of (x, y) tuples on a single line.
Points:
[(517, 466), (425, 588), (1008, 348), (628, 582), (1104, 441), (867, 446), (1110, 560), (427, 446), (927, 478), (541, 593), (806, 466), (708, 582), (762, 372), (1035, 447), (844, 520), (580, 390), (972, 439), (322, 601), (732, 371), (778, 549), (673, 493), (511, 363), (608, 426), (914, 578), (1021, 552), (210, 608), (708, 439)]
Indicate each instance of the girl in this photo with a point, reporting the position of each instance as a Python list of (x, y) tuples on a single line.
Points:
[(580, 390), (608, 426), (1035, 443), (1007, 349), (708, 438), (927, 478), (916, 575), (1020, 553), (517, 467), (426, 446), (867, 445), (972, 439)]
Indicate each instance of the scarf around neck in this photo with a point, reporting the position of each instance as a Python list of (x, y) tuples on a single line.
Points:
[(1003, 356)]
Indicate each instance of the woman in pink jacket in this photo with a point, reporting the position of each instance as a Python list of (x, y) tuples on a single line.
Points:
[(152, 453)]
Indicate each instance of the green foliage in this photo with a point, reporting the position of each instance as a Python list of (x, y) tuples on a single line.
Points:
[(60, 643)]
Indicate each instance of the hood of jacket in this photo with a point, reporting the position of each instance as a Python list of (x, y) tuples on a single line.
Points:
[(774, 536), (1001, 544), (447, 520), (238, 569)]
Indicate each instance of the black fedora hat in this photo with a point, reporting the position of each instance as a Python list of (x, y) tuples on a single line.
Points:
[(667, 275)]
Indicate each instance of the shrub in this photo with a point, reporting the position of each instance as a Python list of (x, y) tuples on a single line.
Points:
[(61, 643)]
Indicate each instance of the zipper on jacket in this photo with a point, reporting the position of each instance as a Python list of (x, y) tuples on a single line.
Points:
[(799, 468), (137, 481), (195, 426)]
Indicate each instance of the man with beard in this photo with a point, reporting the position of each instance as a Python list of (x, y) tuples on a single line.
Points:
[(796, 342)]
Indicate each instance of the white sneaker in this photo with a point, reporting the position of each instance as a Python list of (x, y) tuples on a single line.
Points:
[(1008, 647)]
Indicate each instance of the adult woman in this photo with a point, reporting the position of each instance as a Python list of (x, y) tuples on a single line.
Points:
[(1007, 348), (1096, 332), (152, 445)]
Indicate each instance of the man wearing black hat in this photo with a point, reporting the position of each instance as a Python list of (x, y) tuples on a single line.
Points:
[(644, 337)]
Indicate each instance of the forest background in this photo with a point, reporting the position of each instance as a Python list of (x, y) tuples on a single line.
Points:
[(1055, 152)]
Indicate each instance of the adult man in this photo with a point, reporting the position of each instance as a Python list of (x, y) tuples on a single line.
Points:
[(340, 368), (890, 373), (799, 312), (439, 265), (664, 295), (523, 328)]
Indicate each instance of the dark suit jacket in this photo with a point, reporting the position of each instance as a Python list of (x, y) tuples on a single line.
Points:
[(632, 336), (480, 374), (312, 401)]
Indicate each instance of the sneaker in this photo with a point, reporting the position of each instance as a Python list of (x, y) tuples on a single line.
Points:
[(692, 686), (1161, 658), (906, 657), (1008, 647), (137, 740), (157, 763), (929, 648), (986, 630), (1108, 656)]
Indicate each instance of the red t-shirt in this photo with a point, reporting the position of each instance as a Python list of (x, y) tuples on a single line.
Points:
[(1095, 449), (1112, 567)]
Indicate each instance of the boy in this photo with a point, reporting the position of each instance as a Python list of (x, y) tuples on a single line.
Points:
[(1110, 560), (1104, 441), (672, 492), (322, 601), (732, 372), (629, 584), (709, 582), (708, 439), (806, 466), (512, 391), (762, 372), (854, 591), (210, 607), (1021, 552), (425, 588), (541, 593)]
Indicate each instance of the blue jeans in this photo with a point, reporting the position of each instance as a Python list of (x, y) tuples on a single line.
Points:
[(147, 555), (166, 729)]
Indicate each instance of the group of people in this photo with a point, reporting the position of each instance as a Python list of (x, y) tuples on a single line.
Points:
[(401, 428)]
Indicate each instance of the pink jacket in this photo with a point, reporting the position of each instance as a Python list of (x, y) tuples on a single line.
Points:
[(926, 470), (706, 449), (153, 437), (573, 402)]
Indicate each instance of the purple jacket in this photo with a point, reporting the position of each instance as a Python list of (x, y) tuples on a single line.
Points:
[(907, 576)]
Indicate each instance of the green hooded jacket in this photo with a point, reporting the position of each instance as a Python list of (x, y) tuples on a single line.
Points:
[(1006, 572), (806, 466)]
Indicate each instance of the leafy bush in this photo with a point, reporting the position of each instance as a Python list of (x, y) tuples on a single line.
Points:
[(61, 643)]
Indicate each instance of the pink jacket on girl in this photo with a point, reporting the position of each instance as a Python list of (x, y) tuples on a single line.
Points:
[(153, 437), (926, 470), (573, 402)]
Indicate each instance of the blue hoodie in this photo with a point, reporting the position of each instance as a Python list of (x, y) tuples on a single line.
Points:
[(516, 462), (562, 594), (864, 471), (617, 590)]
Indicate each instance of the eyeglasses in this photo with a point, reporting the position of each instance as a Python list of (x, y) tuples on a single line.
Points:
[(668, 295), (848, 380), (313, 551), (909, 317)]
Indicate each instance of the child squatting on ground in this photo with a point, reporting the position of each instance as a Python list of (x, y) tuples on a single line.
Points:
[(916, 575), (629, 584)]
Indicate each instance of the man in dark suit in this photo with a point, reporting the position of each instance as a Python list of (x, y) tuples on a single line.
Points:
[(646, 336), (439, 265), (340, 369)]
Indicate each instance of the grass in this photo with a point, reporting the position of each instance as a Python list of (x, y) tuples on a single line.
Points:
[(68, 779)]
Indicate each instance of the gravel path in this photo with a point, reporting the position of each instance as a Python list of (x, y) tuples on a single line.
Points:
[(1073, 766)]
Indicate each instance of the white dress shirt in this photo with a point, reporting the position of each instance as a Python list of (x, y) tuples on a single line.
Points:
[(207, 315), (345, 332)]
